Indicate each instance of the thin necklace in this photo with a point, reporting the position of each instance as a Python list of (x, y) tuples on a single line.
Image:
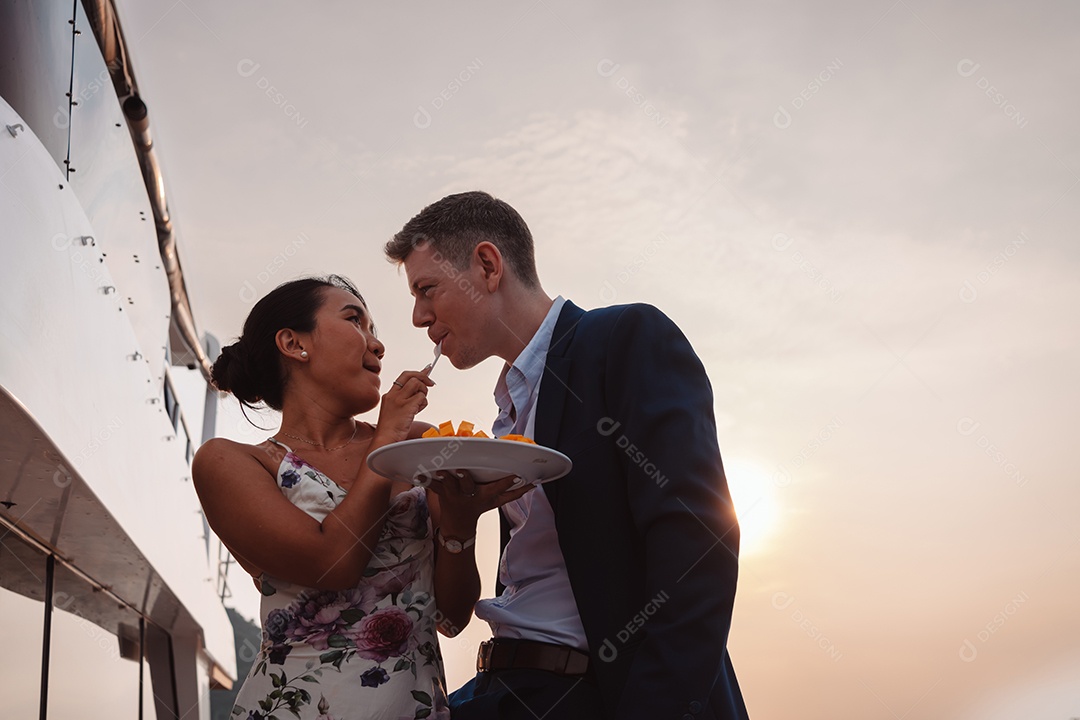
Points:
[(356, 426)]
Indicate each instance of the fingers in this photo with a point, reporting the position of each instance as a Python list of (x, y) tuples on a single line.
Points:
[(411, 387), (413, 378), (505, 483), (464, 482), (508, 489), (452, 483), (458, 487), (515, 493), (403, 400)]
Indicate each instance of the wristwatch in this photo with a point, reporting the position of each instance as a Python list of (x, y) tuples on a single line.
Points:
[(453, 545)]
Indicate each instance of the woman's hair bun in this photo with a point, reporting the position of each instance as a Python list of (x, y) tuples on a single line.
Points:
[(230, 374)]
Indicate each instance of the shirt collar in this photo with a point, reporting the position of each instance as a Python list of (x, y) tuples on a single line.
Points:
[(528, 367)]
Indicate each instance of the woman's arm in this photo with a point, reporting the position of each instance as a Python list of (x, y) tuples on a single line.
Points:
[(457, 580), (264, 530), (456, 504)]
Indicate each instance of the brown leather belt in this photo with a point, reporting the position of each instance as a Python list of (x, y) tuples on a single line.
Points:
[(508, 653)]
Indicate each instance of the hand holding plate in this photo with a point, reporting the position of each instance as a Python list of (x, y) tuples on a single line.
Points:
[(463, 500)]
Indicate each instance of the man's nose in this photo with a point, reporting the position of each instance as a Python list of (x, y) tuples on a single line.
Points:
[(422, 315)]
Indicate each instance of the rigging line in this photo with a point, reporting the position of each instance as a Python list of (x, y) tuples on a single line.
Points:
[(71, 87)]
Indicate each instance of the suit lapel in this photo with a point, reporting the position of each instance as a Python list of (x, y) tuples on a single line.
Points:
[(555, 386)]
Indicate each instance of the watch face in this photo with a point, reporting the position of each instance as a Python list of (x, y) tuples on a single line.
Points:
[(454, 546)]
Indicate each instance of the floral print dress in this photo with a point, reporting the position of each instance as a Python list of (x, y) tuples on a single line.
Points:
[(365, 653)]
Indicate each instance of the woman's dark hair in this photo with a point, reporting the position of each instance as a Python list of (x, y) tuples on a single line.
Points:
[(251, 368)]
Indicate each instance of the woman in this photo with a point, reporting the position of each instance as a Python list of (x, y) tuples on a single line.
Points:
[(344, 558)]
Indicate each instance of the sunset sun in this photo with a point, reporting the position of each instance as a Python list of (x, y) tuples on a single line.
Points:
[(754, 492)]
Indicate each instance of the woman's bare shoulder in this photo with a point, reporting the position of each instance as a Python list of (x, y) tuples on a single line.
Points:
[(221, 455)]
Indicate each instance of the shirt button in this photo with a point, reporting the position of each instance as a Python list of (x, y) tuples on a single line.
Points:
[(694, 707)]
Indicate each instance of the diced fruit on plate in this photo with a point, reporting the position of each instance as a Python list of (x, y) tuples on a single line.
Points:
[(465, 429)]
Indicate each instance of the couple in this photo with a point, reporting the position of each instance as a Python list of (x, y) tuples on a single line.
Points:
[(616, 582)]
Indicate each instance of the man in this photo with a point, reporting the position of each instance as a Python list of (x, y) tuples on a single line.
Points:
[(616, 581)]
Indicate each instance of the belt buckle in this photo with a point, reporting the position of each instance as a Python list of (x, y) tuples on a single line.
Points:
[(483, 656)]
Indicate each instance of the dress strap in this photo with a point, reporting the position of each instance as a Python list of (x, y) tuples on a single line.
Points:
[(278, 442)]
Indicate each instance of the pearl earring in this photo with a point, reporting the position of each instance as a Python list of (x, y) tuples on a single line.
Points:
[(303, 353)]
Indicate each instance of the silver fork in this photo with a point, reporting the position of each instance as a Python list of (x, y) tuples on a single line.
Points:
[(438, 354)]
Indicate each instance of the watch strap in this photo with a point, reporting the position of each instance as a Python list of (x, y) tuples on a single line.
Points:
[(453, 544)]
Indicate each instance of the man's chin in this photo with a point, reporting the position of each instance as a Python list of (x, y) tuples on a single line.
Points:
[(463, 361)]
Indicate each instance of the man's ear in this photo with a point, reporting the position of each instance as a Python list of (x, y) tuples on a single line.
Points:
[(490, 261), (291, 344)]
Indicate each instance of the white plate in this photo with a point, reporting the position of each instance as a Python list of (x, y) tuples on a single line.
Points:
[(487, 459)]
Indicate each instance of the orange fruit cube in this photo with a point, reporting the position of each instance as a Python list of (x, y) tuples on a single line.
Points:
[(517, 438), (467, 429)]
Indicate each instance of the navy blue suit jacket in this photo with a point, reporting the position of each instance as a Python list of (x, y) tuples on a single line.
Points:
[(644, 519)]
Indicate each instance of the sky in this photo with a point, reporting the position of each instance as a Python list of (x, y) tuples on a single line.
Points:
[(862, 215)]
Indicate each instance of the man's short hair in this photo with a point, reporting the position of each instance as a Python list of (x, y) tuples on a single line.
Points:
[(455, 225)]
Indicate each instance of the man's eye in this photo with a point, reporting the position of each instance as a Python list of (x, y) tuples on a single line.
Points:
[(426, 289)]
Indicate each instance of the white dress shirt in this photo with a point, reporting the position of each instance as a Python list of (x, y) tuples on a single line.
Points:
[(537, 602)]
